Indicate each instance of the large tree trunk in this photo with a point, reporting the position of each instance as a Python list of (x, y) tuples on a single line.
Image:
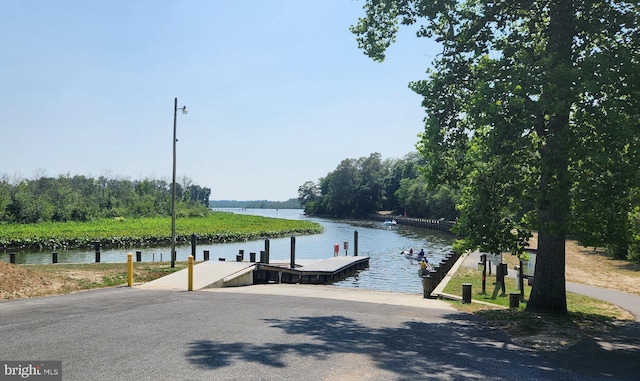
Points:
[(549, 290), (548, 293)]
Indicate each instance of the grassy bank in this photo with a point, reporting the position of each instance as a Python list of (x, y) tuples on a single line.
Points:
[(215, 227), (586, 318)]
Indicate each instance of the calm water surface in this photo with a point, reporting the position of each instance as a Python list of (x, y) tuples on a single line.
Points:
[(388, 269)]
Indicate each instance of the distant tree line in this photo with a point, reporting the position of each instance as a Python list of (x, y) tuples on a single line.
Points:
[(81, 198), (291, 203), (359, 187)]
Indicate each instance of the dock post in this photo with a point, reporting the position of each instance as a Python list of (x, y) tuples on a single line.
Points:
[(96, 246), (252, 257), (433, 281), (12, 258), (293, 253), (206, 255), (241, 254), (130, 270), (262, 256), (266, 251), (138, 256), (355, 243), (54, 257), (190, 275), (193, 245)]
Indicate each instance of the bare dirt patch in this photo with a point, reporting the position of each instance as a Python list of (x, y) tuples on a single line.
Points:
[(17, 282), (594, 267), (27, 281)]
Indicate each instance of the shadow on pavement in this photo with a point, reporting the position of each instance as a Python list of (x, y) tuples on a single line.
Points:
[(615, 355), (460, 348)]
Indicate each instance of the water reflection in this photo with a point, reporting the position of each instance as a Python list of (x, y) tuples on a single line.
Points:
[(388, 269)]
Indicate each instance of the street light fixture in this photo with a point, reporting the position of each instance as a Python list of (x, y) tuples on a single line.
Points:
[(173, 190)]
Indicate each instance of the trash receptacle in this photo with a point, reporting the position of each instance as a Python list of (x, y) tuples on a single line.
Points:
[(466, 293), (514, 300)]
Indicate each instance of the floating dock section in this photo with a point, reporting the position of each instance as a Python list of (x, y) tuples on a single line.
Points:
[(212, 274), (310, 271)]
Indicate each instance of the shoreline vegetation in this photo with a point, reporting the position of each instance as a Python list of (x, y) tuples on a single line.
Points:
[(587, 317), (215, 227)]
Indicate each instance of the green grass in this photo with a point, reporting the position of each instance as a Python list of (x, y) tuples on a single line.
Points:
[(576, 304), (474, 277), (215, 227), (586, 316)]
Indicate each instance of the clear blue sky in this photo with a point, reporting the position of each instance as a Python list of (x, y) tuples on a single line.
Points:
[(277, 91)]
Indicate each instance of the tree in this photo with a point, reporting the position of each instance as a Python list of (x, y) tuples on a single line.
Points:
[(308, 193), (507, 101), (338, 189), (81, 198), (369, 185)]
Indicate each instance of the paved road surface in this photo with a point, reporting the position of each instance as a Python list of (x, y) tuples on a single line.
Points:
[(277, 332)]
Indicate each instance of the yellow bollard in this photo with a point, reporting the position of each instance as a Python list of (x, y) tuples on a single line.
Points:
[(130, 269), (190, 288)]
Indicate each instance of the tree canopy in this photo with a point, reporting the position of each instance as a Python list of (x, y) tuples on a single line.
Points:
[(533, 112), (81, 198), (363, 186)]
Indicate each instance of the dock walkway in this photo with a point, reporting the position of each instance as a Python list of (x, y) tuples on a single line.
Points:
[(212, 274)]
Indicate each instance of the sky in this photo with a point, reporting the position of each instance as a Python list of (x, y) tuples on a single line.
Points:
[(277, 92)]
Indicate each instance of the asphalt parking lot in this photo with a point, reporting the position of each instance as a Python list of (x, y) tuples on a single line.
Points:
[(283, 333)]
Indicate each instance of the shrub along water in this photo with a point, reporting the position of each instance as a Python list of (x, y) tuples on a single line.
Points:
[(119, 231)]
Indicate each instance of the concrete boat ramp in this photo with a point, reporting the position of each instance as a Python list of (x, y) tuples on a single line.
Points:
[(212, 274)]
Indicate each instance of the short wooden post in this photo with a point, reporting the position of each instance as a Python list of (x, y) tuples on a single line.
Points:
[(252, 257), (241, 254), (96, 246), (130, 269), (54, 257), (206, 255), (292, 263), (12, 258), (266, 251), (355, 243), (138, 256), (483, 259), (193, 246)]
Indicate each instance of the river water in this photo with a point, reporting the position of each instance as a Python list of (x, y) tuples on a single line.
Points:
[(388, 269)]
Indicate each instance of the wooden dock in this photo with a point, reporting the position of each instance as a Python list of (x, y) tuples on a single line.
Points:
[(313, 272), (215, 274)]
